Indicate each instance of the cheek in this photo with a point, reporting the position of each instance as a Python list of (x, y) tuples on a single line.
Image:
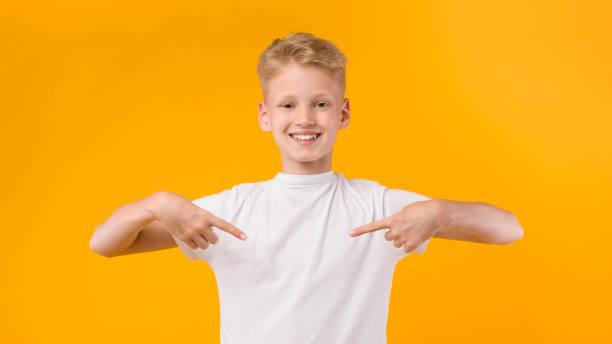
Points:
[(331, 135)]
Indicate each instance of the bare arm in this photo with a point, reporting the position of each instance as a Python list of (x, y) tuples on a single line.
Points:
[(478, 222), (130, 229), (149, 223)]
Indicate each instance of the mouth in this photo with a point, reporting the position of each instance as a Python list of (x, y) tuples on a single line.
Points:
[(304, 139)]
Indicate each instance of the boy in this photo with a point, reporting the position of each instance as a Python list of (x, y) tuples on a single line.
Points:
[(302, 276)]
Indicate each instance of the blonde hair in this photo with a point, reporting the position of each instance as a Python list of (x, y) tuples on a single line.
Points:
[(303, 48)]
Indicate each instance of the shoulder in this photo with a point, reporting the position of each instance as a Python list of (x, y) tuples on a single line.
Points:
[(404, 196), (390, 194), (366, 188), (362, 184), (395, 199), (368, 192), (236, 193)]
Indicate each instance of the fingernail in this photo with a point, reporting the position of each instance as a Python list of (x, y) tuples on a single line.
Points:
[(242, 236), (352, 233)]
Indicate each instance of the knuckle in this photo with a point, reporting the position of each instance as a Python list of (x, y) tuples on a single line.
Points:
[(393, 221), (211, 239), (183, 236), (206, 216), (411, 246), (211, 219), (201, 221)]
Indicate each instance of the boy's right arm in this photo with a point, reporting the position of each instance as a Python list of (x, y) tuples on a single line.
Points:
[(131, 229), (148, 224)]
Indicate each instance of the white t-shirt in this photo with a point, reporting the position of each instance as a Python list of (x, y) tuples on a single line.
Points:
[(299, 277)]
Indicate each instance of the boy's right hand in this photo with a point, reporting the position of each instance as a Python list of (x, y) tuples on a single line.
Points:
[(188, 222)]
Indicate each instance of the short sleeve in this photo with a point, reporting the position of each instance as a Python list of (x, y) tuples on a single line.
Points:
[(393, 202), (212, 204)]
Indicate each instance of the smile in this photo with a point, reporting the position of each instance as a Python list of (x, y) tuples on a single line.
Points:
[(304, 139)]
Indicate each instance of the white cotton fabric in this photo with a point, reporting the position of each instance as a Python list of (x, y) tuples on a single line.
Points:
[(299, 277)]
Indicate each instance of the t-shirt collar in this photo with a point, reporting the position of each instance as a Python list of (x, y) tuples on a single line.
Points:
[(304, 179)]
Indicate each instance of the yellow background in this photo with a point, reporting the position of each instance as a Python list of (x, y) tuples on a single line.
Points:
[(508, 103)]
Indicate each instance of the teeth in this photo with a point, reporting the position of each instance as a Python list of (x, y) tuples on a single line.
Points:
[(304, 137)]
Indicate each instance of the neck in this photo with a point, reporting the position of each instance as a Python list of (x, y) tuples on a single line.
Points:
[(310, 167)]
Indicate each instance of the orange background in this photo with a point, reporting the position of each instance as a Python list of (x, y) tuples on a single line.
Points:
[(508, 103)]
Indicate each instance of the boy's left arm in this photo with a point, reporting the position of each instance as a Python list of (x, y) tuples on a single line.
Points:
[(476, 222), (441, 218)]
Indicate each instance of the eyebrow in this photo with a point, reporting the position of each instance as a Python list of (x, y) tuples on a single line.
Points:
[(314, 95)]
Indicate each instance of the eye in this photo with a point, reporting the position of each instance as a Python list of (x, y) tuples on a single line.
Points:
[(322, 103), (284, 106)]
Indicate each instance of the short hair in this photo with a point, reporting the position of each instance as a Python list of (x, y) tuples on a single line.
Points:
[(303, 48)]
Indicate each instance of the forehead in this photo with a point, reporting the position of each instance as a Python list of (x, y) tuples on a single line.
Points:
[(296, 80)]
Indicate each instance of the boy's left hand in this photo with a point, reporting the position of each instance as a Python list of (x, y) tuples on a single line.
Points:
[(412, 226)]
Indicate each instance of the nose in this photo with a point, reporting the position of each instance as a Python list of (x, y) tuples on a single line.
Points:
[(305, 117)]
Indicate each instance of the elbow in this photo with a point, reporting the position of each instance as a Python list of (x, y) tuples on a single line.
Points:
[(515, 233), (101, 253), (94, 249), (518, 229), (92, 246)]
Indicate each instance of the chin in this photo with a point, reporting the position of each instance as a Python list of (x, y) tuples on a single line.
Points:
[(305, 159)]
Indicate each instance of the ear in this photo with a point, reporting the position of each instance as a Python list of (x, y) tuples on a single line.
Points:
[(264, 120), (345, 114)]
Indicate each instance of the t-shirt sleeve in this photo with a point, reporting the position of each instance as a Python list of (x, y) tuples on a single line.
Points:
[(211, 203), (393, 202)]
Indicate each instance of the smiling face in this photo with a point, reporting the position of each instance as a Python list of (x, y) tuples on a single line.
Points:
[(304, 98)]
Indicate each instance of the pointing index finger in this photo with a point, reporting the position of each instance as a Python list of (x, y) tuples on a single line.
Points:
[(228, 227), (370, 227)]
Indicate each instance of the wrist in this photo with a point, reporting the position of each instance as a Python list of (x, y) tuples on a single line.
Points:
[(153, 203), (444, 213)]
